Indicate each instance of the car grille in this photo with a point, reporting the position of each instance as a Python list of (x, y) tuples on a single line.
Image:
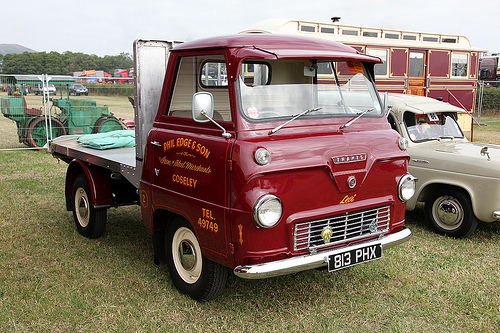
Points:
[(341, 228)]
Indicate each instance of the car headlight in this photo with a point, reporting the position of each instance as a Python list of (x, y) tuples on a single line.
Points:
[(267, 211), (406, 187)]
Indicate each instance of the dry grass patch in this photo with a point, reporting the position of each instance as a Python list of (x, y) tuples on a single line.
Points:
[(54, 280)]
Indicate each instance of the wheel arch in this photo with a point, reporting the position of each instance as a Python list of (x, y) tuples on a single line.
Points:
[(98, 179), (429, 188), (161, 220)]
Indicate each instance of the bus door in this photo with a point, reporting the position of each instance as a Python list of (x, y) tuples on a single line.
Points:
[(417, 73)]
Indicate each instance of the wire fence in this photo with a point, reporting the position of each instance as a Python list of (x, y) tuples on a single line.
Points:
[(488, 98), (38, 108)]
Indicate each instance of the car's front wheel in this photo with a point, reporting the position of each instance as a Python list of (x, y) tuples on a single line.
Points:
[(448, 211)]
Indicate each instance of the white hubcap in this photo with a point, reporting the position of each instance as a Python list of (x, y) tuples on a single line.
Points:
[(186, 253)]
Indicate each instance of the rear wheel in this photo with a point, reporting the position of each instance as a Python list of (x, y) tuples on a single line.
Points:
[(107, 124), (191, 272), (90, 222), (37, 131), (449, 211)]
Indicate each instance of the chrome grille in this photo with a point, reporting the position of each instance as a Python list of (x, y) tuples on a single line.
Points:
[(342, 228)]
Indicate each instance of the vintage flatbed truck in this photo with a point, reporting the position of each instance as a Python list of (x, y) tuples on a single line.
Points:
[(265, 154)]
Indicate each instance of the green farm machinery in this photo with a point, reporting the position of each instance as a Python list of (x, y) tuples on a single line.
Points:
[(67, 116)]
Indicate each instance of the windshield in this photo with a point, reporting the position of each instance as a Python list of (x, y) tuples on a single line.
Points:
[(431, 127), (285, 88)]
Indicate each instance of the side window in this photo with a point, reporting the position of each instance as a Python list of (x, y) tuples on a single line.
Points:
[(417, 64), (459, 65), (380, 69), (200, 73), (255, 74), (214, 74)]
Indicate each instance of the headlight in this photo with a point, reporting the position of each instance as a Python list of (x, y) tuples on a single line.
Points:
[(406, 187), (267, 211)]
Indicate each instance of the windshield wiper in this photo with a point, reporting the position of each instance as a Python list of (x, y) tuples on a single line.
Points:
[(359, 115), (426, 139), (276, 129)]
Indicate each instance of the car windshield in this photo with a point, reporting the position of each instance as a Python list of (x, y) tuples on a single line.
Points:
[(286, 88), (432, 126)]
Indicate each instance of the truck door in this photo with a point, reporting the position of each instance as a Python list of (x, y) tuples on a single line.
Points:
[(417, 73), (191, 160)]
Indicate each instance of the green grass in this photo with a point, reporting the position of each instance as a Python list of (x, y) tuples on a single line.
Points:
[(54, 280)]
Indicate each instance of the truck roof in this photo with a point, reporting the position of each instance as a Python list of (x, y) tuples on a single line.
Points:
[(280, 46)]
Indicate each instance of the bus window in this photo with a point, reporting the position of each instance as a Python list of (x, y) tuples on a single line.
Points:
[(380, 69), (417, 64), (459, 64)]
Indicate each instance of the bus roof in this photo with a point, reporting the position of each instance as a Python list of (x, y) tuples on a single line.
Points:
[(355, 34)]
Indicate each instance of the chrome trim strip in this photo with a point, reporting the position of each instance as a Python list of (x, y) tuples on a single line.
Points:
[(310, 261)]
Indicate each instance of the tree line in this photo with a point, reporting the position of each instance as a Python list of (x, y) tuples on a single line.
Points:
[(54, 63)]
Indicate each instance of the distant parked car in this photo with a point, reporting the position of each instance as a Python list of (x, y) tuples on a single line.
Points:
[(458, 180), (38, 89), (78, 89)]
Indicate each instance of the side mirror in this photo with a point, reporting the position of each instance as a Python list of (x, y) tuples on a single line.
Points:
[(203, 110), (202, 101)]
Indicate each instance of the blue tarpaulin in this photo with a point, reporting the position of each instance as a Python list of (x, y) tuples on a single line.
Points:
[(114, 139)]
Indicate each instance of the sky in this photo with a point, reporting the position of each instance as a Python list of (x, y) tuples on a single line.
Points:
[(109, 27)]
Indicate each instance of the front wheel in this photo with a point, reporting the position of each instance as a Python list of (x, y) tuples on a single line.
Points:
[(191, 272), (90, 222), (449, 212)]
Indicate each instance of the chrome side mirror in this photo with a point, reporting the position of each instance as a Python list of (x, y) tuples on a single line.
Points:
[(202, 107), (203, 110)]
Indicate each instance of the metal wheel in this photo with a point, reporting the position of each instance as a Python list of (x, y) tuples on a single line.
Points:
[(90, 222), (37, 131), (107, 124), (449, 212), (191, 272)]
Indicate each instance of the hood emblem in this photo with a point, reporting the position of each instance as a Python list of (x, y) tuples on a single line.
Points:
[(351, 182), (484, 151), (349, 158), (326, 234), (373, 226)]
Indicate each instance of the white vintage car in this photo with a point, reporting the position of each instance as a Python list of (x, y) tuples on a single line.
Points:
[(458, 180)]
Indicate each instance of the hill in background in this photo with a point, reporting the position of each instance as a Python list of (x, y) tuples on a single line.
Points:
[(14, 48)]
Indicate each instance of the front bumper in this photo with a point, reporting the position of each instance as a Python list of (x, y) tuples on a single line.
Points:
[(311, 261)]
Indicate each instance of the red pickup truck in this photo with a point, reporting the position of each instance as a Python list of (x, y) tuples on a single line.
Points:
[(260, 154)]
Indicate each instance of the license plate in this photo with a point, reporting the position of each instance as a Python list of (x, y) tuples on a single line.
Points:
[(354, 257)]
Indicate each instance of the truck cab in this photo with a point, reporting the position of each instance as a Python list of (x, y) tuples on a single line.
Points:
[(268, 153)]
